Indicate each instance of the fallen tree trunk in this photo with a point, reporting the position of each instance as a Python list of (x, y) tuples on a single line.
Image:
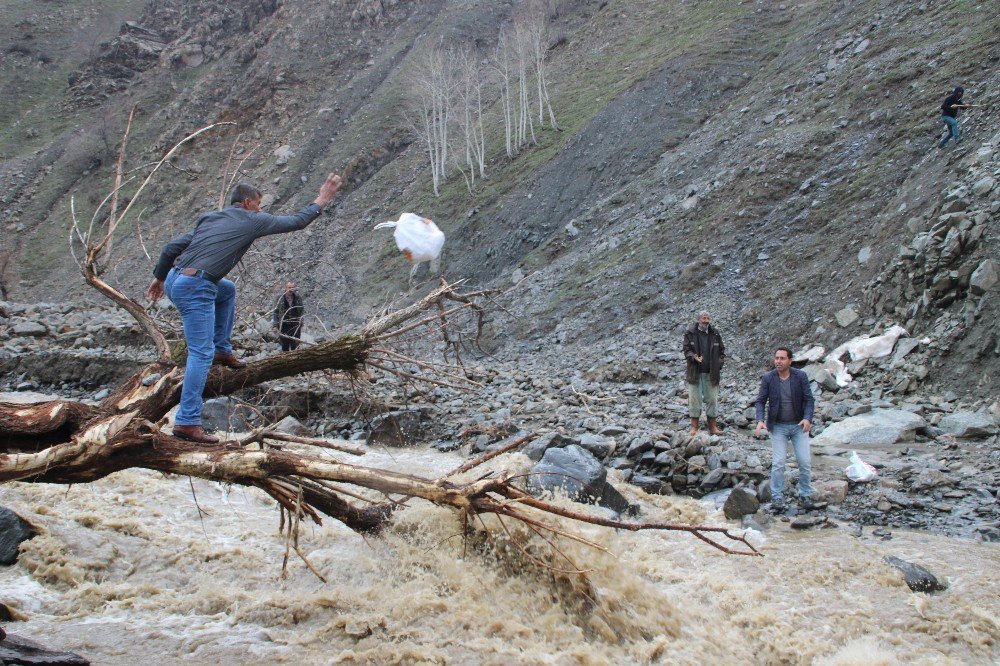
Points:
[(71, 442)]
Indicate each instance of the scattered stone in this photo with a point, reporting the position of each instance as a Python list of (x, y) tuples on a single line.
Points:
[(151, 379), (846, 317), (549, 440), (983, 186), (400, 428), (741, 502), (864, 254), (31, 329), (292, 426), (13, 530), (601, 447), (651, 484), (807, 522), (917, 578), (833, 491), (968, 424), (282, 154), (227, 415)]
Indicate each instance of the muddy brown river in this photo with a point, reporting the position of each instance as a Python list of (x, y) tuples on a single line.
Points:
[(127, 572)]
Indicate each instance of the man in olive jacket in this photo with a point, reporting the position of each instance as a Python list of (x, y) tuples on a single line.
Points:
[(705, 355)]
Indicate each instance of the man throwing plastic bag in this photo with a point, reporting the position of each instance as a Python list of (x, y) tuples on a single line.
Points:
[(191, 271)]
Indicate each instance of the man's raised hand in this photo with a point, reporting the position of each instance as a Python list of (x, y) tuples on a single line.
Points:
[(328, 190)]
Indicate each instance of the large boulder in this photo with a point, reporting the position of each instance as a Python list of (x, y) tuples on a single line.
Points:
[(984, 278), (31, 329), (969, 424), (400, 428), (917, 578), (741, 502), (879, 427), (17, 650), (13, 530), (576, 472)]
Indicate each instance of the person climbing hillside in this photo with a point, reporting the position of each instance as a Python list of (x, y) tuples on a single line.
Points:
[(949, 115)]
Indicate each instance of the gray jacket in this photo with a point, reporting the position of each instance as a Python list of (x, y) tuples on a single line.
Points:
[(222, 237)]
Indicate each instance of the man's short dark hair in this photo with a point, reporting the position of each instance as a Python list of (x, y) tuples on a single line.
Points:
[(786, 350), (244, 191)]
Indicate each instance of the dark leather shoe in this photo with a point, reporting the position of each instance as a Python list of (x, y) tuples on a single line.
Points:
[(194, 433), (228, 360)]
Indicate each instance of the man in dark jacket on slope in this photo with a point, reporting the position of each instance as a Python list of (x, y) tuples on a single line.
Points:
[(788, 416), (949, 115), (705, 354), (288, 314), (191, 271)]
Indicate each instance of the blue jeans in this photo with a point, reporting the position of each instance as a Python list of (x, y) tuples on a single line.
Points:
[(780, 434), (207, 312), (953, 131)]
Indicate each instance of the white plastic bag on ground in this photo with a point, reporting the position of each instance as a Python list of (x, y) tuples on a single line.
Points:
[(417, 238), (859, 471)]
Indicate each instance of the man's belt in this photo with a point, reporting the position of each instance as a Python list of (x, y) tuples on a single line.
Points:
[(197, 272)]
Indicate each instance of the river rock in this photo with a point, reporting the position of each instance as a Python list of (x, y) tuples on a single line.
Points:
[(576, 472), (549, 440), (917, 578), (291, 426), (879, 427), (227, 415), (17, 650), (968, 424), (807, 522), (400, 428), (13, 530), (651, 484), (833, 491), (741, 502), (602, 447), (31, 329)]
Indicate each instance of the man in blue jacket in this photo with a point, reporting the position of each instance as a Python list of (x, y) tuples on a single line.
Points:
[(191, 271), (785, 392)]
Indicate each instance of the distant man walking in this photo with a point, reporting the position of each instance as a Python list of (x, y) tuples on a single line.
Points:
[(949, 115), (191, 271), (705, 355), (288, 314), (789, 403)]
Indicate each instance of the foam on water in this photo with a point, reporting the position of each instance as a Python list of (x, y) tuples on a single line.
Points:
[(125, 570)]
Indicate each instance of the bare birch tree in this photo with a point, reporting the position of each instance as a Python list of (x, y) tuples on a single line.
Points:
[(502, 65), (470, 99), (433, 88)]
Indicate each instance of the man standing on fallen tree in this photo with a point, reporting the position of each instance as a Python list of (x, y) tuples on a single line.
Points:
[(788, 416), (705, 354), (191, 271)]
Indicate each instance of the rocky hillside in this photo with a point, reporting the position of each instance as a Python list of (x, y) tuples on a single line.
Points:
[(773, 162)]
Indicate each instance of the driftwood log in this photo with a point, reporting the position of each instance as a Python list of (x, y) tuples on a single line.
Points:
[(71, 442)]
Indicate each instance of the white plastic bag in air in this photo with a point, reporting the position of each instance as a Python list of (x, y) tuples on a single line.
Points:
[(859, 471), (417, 238)]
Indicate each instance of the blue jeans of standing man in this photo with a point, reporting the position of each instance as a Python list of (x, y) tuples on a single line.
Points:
[(953, 131), (207, 310), (781, 433)]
